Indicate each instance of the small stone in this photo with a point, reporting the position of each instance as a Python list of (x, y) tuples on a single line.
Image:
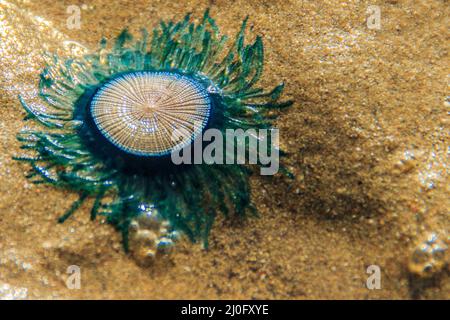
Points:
[(430, 256)]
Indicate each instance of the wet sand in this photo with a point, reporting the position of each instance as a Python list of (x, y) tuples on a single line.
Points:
[(367, 139)]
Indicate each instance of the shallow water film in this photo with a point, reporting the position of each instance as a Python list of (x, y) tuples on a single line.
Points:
[(356, 90)]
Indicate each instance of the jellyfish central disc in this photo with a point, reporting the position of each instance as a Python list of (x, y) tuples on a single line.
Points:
[(151, 113)]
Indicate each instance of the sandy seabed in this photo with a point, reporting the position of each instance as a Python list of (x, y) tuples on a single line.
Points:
[(367, 139)]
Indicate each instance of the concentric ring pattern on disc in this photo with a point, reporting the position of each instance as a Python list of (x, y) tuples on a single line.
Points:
[(142, 112)]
